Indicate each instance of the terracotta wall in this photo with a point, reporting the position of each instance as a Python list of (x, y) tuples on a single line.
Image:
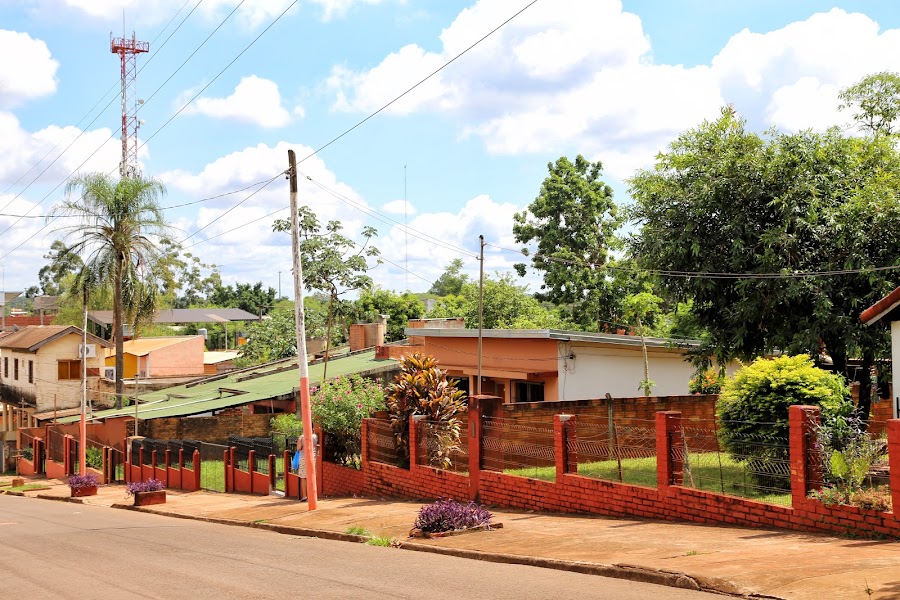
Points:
[(207, 429)]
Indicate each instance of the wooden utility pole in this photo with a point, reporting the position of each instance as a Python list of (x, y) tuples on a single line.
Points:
[(305, 413)]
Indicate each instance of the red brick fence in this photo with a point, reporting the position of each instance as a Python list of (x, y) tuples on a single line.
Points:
[(574, 493)]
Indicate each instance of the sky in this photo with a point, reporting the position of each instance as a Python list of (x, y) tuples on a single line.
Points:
[(433, 121)]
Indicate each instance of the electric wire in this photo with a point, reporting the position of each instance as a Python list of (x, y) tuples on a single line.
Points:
[(703, 274)]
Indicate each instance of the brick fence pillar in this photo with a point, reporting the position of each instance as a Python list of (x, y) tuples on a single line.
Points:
[(805, 474), (669, 464), (364, 444), (893, 435), (414, 452), (561, 444)]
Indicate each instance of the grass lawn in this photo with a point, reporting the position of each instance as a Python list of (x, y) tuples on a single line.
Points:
[(212, 475), (28, 487), (732, 478)]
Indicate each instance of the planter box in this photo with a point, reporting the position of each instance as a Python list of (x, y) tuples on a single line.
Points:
[(80, 492), (149, 498), (422, 534)]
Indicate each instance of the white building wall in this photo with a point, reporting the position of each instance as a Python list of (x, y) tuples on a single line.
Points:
[(597, 370)]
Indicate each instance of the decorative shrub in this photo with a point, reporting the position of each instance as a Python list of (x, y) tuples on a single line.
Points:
[(848, 452), (753, 410), (151, 485), (339, 407), (28, 453), (830, 495), (707, 382), (422, 388), (450, 515), (76, 482), (875, 498), (288, 424), (93, 457)]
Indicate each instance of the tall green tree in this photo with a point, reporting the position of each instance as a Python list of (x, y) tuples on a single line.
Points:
[(752, 219), (331, 262), (118, 225), (573, 221), (62, 262), (876, 100), (451, 280)]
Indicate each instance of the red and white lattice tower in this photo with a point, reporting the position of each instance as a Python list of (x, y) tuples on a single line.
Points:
[(128, 49)]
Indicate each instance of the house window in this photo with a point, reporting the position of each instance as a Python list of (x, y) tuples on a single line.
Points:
[(6, 367), (16, 369), (528, 391), (30, 371), (68, 369)]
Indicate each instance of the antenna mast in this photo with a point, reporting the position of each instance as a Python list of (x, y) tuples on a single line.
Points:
[(128, 49)]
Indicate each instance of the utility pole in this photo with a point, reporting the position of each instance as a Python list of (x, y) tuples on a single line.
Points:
[(82, 426), (305, 414), (480, 308)]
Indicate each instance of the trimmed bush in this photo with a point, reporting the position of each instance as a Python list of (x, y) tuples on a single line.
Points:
[(339, 407), (753, 410)]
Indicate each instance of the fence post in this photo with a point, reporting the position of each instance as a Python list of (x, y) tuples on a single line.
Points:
[(560, 444), (364, 444), (104, 465), (802, 421), (228, 459), (893, 436), (197, 466), (414, 421), (476, 406), (140, 463), (669, 465), (67, 456), (251, 467)]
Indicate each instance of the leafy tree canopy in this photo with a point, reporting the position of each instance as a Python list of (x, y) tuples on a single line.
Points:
[(506, 306), (62, 262), (400, 308), (451, 280), (726, 200), (876, 100)]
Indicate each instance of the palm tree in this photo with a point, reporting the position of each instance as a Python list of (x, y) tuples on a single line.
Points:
[(118, 221)]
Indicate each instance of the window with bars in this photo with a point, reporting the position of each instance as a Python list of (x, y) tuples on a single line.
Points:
[(16, 369), (30, 371)]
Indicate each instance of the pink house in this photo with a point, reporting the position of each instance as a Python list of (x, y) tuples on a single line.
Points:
[(160, 357)]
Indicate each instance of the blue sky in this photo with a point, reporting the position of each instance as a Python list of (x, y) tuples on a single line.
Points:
[(615, 81)]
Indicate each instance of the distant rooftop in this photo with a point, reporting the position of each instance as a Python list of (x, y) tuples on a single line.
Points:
[(549, 334), (184, 315)]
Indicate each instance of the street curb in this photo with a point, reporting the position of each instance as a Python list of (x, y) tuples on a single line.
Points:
[(629, 572)]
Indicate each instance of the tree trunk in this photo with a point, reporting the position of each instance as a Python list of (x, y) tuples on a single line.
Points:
[(117, 335), (328, 337), (646, 360)]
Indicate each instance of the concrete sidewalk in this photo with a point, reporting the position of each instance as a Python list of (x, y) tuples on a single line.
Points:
[(751, 562)]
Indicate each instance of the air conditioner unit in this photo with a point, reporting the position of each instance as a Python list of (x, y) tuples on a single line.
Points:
[(109, 373), (87, 351)]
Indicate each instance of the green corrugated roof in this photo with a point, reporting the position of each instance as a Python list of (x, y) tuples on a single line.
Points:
[(230, 391)]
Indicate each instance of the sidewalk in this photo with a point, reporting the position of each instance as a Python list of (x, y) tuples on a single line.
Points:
[(763, 563)]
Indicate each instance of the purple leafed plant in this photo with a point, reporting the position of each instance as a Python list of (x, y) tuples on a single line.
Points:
[(450, 515), (151, 485), (76, 482)]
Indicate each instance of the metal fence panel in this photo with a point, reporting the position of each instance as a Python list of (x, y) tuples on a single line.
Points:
[(442, 447), (381, 442), (519, 449), (212, 466), (623, 450)]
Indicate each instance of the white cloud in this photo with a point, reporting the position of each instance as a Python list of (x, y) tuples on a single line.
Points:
[(790, 76), (584, 79), (339, 8), (27, 69), (399, 207), (20, 150), (255, 100)]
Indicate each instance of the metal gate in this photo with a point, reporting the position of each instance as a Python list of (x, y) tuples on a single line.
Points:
[(212, 466)]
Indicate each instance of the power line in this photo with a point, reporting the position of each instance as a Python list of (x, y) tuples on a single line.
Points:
[(704, 274)]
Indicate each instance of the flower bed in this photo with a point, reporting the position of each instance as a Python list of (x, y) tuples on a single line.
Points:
[(449, 517)]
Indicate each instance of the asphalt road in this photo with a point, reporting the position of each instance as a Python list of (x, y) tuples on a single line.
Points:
[(63, 550)]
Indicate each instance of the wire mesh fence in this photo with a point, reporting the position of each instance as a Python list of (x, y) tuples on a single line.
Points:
[(719, 459), (623, 451), (442, 446), (150, 446), (212, 466), (26, 445), (522, 449), (56, 446), (381, 442), (261, 447), (280, 443), (189, 446), (848, 463), (116, 467)]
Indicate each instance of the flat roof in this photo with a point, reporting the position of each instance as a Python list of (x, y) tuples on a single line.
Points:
[(551, 334), (241, 387)]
